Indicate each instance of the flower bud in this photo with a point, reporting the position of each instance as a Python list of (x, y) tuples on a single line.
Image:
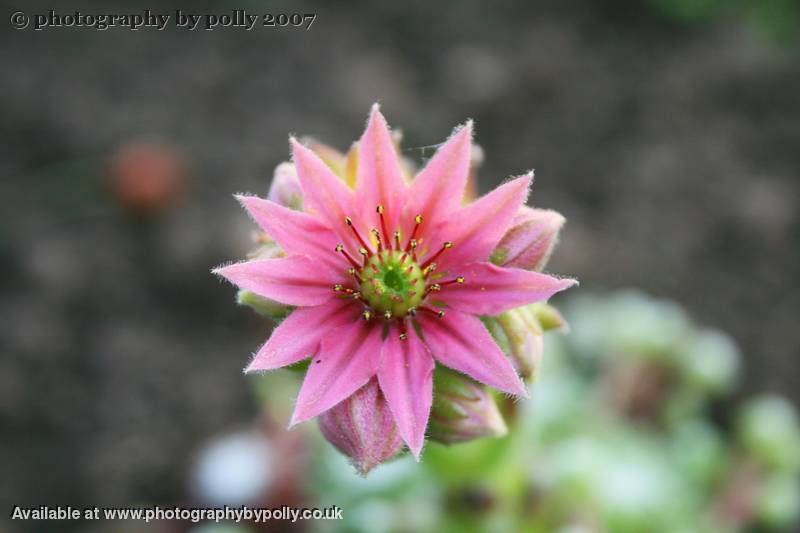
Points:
[(285, 189), (362, 428), (332, 157), (530, 241), (267, 248), (524, 339), (263, 306), (549, 317), (462, 409)]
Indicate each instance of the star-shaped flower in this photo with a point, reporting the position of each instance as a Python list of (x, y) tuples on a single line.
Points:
[(390, 279)]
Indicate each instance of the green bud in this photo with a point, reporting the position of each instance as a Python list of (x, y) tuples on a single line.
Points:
[(263, 306), (462, 409), (549, 317), (525, 339)]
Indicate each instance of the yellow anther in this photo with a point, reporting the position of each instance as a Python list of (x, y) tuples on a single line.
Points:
[(387, 315), (367, 315), (418, 219), (339, 248), (363, 251), (403, 336), (379, 209), (448, 244), (348, 221), (440, 314), (460, 279), (338, 288), (413, 243)]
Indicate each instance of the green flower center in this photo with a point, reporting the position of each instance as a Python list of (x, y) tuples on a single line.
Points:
[(392, 283)]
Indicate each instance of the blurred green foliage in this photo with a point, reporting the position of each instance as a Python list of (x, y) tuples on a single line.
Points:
[(776, 19), (619, 436)]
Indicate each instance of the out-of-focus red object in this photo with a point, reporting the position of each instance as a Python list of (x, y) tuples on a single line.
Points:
[(146, 176)]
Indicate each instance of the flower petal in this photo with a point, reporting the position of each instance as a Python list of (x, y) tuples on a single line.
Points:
[(348, 358), (531, 239), (461, 342), (296, 232), (406, 379), (476, 229), (380, 181), (324, 192), (489, 289), (295, 280), (330, 156), (299, 336), (438, 188)]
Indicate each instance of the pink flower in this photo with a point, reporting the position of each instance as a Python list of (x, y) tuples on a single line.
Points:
[(389, 279)]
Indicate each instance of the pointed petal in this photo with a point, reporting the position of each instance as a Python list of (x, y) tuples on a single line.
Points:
[(295, 280), (296, 232), (380, 181), (348, 358), (489, 289), (299, 336), (329, 155), (406, 379), (324, 192), (438, 188), (476, 229), (461, 342)]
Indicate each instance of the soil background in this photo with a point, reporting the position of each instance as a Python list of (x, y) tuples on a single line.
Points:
[(669, 141)]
